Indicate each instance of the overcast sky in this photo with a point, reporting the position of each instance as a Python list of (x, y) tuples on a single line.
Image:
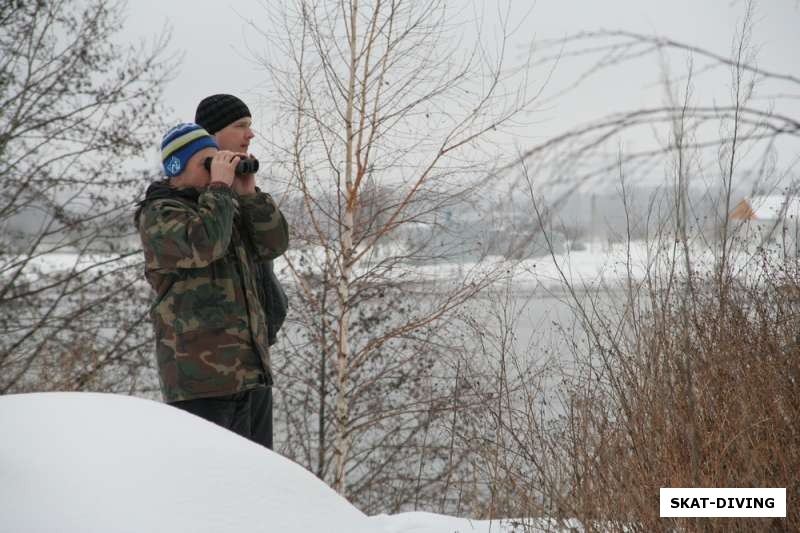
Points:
[(218, 44)]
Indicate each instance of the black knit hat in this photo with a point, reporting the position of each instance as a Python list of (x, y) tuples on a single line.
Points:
[(218, 111)]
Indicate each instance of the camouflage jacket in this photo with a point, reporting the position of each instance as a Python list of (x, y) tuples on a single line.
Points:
[(200, 248)]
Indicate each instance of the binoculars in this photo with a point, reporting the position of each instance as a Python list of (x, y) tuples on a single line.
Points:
[(248, 165)]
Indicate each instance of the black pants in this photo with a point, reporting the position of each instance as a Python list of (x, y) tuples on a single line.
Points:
[(247, 413)]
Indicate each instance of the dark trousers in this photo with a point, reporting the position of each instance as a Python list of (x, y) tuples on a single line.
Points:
[(247, 413)]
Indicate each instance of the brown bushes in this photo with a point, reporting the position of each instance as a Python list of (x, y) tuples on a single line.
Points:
[(693, 385)]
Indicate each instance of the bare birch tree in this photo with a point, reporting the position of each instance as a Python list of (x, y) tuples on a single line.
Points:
[(391, 118)]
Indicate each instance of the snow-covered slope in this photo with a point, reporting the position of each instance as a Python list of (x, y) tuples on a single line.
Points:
[(82, 462), (96, 462)]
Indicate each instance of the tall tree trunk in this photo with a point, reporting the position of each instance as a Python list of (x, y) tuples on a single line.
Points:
[(342, 447)]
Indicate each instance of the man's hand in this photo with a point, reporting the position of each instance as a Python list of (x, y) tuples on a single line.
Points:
[(223, 165), (245, 184)]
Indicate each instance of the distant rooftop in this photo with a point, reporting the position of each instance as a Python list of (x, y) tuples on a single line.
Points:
[(768, 207)]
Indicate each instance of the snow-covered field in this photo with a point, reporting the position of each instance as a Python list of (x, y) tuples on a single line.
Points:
[(86, 462), (591, 266)]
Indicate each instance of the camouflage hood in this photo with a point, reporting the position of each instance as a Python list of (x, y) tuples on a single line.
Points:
[(159, 190)]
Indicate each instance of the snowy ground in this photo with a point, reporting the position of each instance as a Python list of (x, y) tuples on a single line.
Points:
[(86, 462), (589, 267)]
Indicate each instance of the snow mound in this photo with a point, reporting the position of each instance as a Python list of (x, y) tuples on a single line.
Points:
[(101, 463), (86, 462)]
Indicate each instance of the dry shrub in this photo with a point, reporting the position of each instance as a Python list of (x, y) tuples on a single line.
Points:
[(698, 387)]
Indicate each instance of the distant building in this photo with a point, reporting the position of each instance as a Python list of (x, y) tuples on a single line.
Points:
[(771, 221)]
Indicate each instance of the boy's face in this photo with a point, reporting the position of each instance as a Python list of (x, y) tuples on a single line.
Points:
[(236, 136), (195, 174)]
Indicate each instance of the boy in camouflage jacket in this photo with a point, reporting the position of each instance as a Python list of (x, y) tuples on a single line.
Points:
[(201, 232)]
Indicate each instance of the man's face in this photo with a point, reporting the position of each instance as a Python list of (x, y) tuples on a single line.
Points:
[(236, 135), (195, 174)]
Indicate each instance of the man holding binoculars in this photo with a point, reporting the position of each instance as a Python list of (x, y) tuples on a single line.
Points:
[(205, 231), (228, 119)]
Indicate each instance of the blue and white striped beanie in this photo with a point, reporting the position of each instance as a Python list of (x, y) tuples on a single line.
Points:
[(180, 144)]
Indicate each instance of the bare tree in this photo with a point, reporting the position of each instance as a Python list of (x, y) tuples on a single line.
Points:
[(76, 109), (391, 117)]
